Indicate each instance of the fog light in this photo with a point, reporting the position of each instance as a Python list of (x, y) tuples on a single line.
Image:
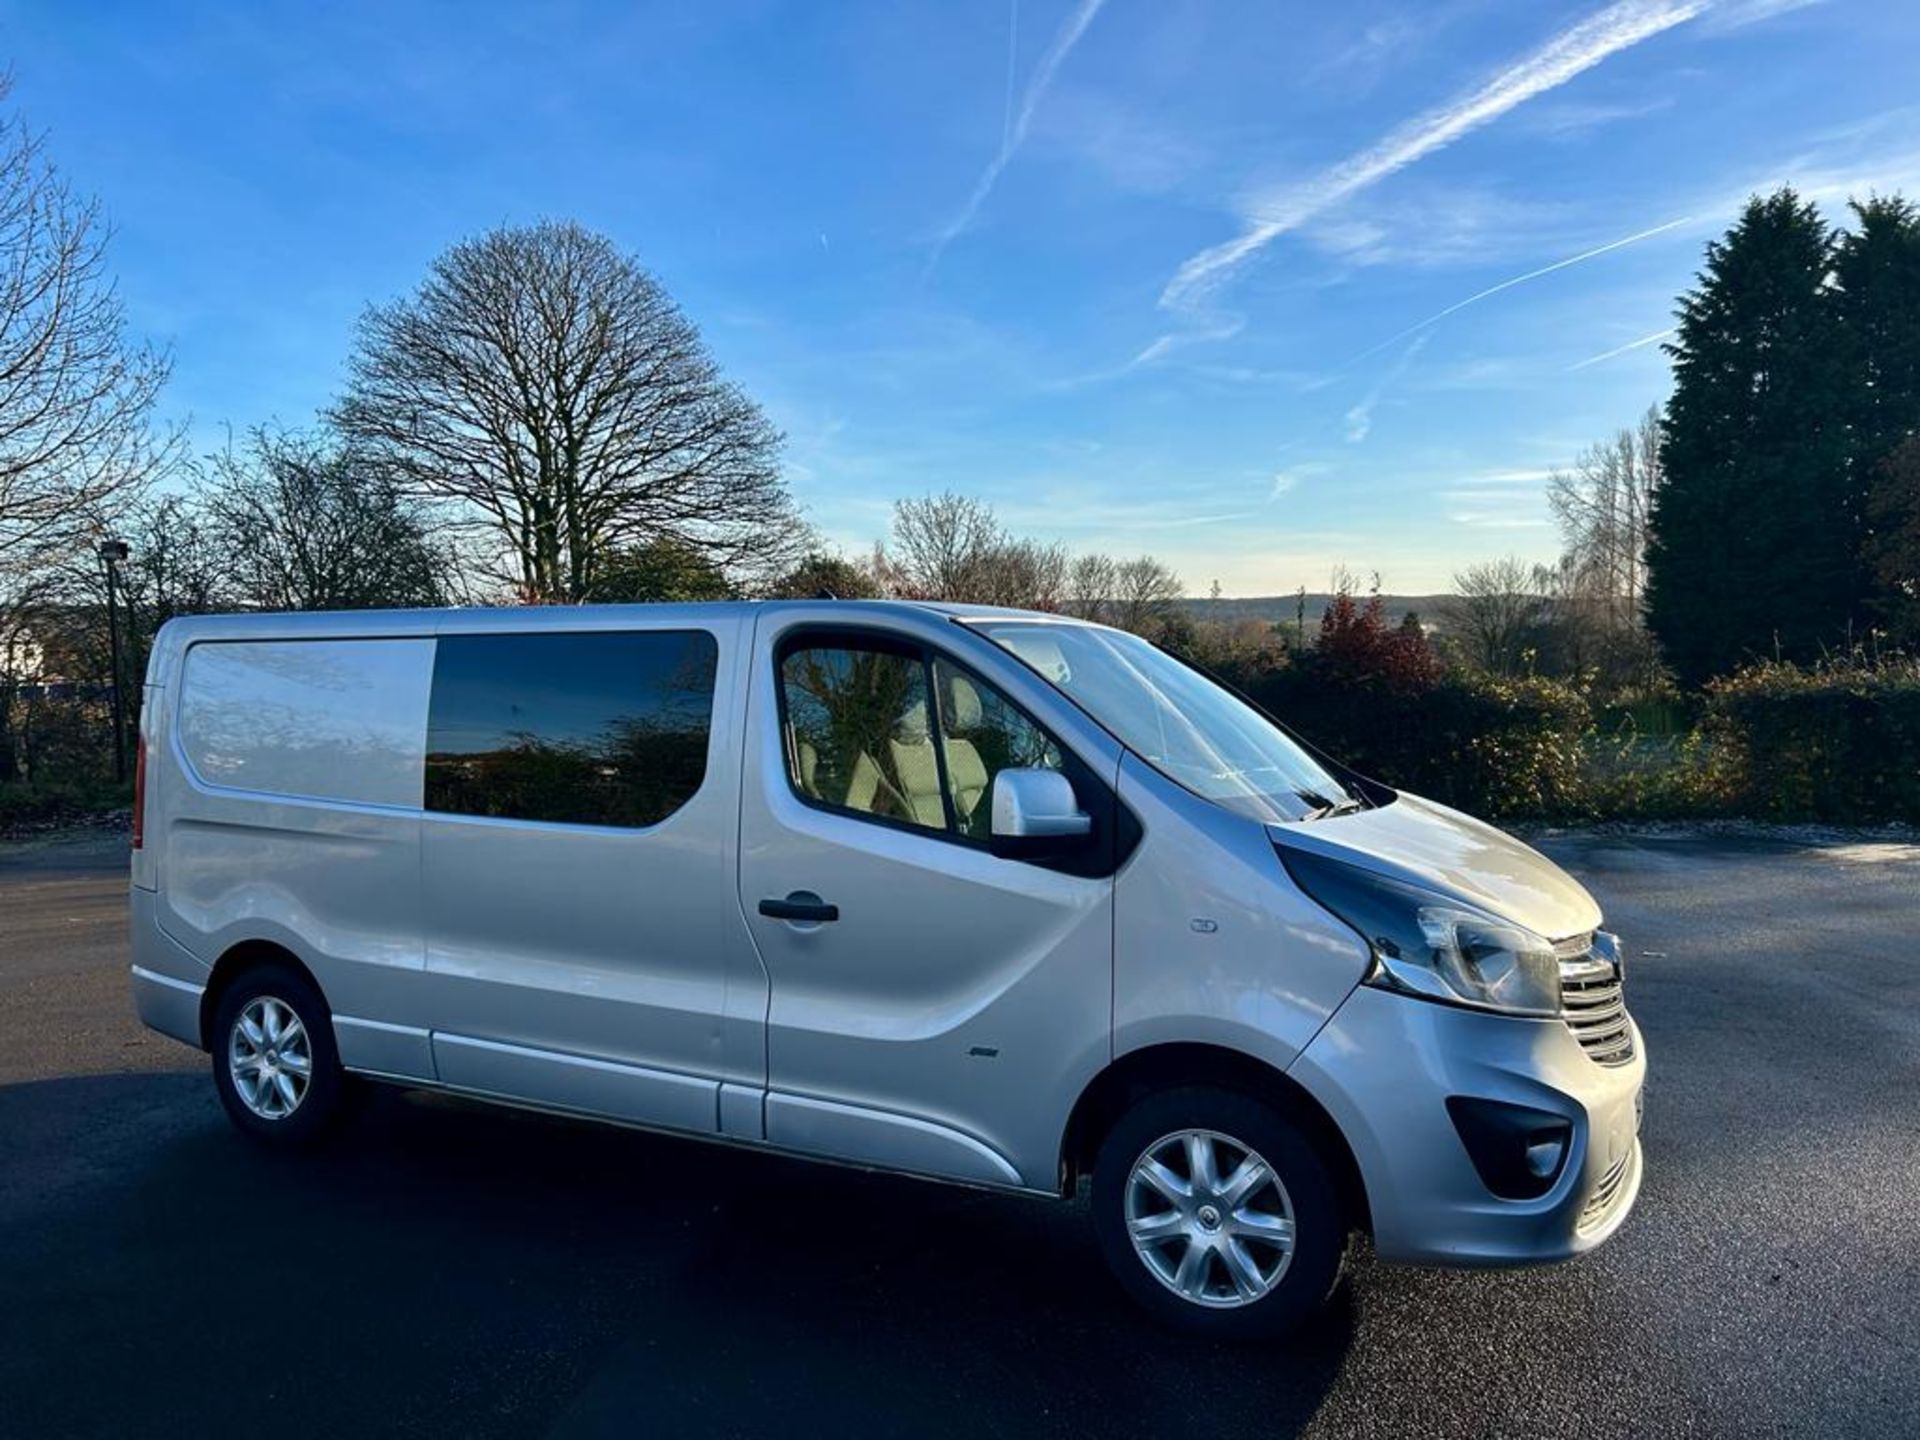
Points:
[(1544, 1157), (1518, 1151)]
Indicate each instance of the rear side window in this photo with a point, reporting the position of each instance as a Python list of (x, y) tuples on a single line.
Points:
[(598, 728), (336, 720)]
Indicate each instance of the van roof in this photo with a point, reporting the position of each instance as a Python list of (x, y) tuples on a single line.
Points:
[(428, 621)]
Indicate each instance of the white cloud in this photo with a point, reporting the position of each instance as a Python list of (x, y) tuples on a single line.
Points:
[(1430, 224), (1738, 14), (1535, 274), (1014, 130), (1290, 476), (1135, 151), (1571, 118), (1360, 418), (1508, 477), (1211, 327), (1573, 51), (1496, 520), (1644, 340)]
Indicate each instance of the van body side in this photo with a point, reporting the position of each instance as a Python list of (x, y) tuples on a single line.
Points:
[(983, 896)]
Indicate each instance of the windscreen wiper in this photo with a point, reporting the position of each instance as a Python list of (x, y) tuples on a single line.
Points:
[(1325, 809)]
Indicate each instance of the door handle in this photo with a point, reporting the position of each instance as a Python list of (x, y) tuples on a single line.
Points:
[(802, 906)]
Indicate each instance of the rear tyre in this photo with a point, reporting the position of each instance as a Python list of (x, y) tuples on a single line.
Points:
[(274, 1061), (1218, 1215)]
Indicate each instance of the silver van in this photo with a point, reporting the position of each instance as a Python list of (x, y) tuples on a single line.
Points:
[(979, 895)]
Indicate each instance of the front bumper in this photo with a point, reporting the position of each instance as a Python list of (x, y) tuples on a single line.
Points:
[(1384, 1066)]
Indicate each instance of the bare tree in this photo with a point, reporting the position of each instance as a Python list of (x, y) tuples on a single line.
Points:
[(177, 566), (1141, 594), (1092, 582), (1601, 506), (76, 392), (940, 546), (309, 525), (549, 388), (953, 547), (1496, 611), (1146, 595), (76, 398), (1025, 573)]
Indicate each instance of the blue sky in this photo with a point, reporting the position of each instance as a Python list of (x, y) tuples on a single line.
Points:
[(1147, 274)]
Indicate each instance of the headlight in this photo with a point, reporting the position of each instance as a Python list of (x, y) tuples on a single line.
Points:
[(1427, 944)]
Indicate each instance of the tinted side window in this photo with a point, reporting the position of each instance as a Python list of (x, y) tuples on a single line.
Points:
[(606, 728), (859, 732)]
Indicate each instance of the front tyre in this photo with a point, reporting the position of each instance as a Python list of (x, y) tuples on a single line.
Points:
[(274, 1061), (1218, 1215)]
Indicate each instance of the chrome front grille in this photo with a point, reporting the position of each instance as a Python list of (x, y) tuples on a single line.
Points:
[(1592, 998)]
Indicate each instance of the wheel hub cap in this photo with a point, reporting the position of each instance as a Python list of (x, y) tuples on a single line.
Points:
[(1209, 1218)]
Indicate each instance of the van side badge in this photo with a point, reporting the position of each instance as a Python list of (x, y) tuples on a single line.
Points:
[(985, 1052), (1204, 927)]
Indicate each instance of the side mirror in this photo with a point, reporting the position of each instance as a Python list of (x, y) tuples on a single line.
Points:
[(1035, 813)]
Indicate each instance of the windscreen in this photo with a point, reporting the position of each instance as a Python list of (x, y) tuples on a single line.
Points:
[(1187, 727)]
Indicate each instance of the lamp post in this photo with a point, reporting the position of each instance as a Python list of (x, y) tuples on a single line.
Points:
[(113, 554)]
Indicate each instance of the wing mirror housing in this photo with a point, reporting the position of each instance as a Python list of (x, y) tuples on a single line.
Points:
[(1036, 814)]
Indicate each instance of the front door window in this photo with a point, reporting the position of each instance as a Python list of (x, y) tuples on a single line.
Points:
[(875, 729)]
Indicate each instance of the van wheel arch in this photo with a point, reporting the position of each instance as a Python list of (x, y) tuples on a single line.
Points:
[(237, 961), (1140, 1073)]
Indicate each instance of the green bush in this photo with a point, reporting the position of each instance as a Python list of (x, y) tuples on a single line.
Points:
[(1631, 775), (1497, 748), (39, 807), (1838, 741)]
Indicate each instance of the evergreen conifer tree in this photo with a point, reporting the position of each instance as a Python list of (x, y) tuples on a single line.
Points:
[(1877, 301), (1753, 541)]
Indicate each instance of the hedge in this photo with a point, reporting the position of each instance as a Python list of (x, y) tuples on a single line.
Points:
[(1835, 742), (1497, 748)]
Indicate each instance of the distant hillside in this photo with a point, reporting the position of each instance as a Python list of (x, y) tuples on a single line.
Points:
[(1284, 609)]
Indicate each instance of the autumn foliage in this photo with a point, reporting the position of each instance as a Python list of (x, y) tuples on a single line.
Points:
[(1357, 647)]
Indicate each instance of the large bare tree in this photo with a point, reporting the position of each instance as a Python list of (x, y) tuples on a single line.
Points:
[(547, 386), (1601, 506), (76, 393), (76, 398)]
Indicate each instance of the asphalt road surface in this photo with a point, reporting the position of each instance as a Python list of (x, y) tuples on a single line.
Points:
[(446, 1269)]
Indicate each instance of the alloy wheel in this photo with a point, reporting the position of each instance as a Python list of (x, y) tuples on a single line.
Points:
[(270, 1058)]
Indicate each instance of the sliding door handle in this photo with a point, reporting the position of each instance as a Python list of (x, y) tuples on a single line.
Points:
[(803, 906)]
